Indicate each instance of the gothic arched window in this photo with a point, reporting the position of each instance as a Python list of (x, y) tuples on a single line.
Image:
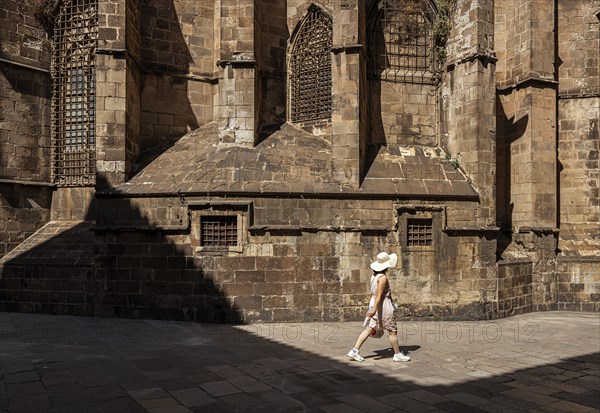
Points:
[(401, 41), (310, 68), (73, 93)]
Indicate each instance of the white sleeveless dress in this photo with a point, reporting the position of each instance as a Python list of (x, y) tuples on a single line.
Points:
[(388, 316)]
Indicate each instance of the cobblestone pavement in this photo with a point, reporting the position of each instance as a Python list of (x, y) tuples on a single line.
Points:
[(541, 362)]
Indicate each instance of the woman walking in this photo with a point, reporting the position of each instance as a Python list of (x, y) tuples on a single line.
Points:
[(381, 315)]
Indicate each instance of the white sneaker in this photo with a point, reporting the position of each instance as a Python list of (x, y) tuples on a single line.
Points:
[(353, 354), (400, 357)]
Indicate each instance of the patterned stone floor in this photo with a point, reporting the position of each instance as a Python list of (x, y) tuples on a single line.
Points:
[(542, 362)]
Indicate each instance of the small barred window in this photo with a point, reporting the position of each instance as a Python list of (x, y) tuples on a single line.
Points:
[(310, 68), (73, 93), (401, 41), (419, 232), (219, 231)]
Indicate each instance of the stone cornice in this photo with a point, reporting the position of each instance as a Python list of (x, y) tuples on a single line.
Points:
[(579, 94), (348, 48), (26, 183), (24, 65), (477, 52), (526, 81)]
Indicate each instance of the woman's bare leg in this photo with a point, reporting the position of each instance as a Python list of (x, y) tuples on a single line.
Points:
[(394, 342), (363, 337)]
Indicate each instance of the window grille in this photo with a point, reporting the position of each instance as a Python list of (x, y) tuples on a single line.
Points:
[(401, 42), (219, 231), (419, 232), (73, 93), (310, 68)]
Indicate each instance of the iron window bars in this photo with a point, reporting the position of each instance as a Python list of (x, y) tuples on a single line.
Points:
[(419, 232), (219, 231), (73, 94), (401, 42), (310, 68)]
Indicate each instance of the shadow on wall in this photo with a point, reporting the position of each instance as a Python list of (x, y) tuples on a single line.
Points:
[(23, 210), (508, 132), (269, 368), (271, 38), (165, 59), (24, 153), (31, 114), (375, 67), (134, 272)]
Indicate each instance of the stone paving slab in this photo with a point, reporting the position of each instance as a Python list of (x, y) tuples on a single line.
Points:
[(541, 362)]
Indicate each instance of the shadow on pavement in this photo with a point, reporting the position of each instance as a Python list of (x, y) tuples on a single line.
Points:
[(78, 364)]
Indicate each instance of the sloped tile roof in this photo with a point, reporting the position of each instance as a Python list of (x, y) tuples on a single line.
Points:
[(58, 243), (290, 161)]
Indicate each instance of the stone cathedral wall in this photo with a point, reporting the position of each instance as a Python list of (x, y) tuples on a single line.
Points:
[(578, 264), (501, 156), (25, 192)]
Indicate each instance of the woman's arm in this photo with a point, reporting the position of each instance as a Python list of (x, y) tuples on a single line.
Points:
[(378, 305)]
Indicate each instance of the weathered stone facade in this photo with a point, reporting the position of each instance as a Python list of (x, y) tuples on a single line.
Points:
[(252, 157), (24, 125)]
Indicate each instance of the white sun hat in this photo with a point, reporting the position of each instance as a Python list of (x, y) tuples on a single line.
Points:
[(384, 261)]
